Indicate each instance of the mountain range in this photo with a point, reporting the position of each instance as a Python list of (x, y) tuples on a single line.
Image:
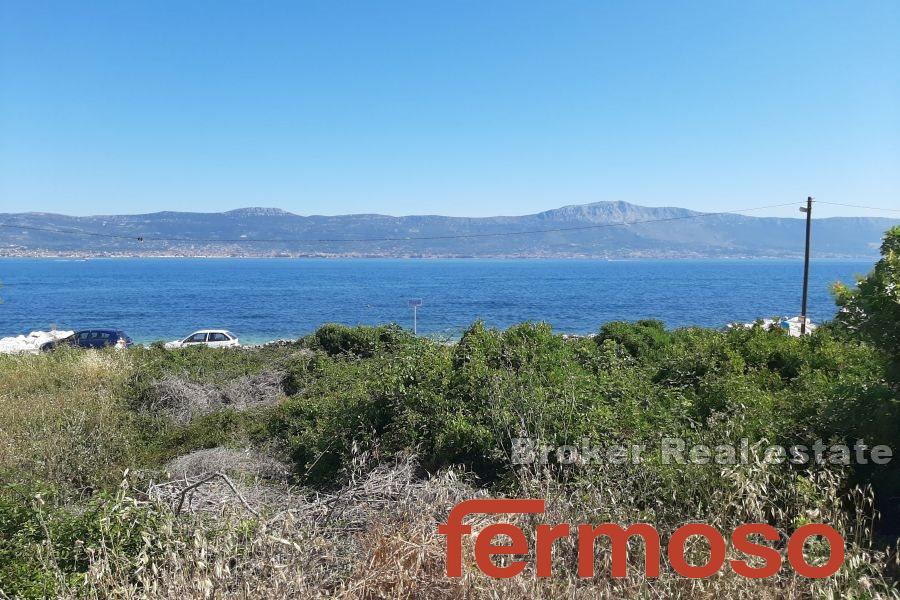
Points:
[(597, 230)]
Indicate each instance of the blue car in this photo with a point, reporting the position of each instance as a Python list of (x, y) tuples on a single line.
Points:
[(93, 338)]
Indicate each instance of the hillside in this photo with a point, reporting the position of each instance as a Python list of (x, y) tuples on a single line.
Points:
[(681, 233)]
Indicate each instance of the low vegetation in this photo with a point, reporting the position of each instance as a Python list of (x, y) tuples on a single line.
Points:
[(322, 467)]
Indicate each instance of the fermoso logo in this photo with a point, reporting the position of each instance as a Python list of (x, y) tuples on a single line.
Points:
[(545, 535)]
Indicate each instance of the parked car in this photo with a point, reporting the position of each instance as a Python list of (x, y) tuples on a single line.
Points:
[(214, 338), (92, 338)]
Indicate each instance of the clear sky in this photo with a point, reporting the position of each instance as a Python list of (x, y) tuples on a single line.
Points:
[(448, 107)]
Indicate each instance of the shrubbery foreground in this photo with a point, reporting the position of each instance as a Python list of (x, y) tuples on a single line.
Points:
[(323, 467)]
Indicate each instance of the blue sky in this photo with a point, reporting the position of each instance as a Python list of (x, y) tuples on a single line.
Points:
[(460, 108)]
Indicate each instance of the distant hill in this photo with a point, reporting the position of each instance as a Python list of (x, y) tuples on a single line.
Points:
[(680, 233)]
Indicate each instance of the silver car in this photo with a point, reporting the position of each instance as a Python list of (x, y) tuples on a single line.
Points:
[(214, 338)]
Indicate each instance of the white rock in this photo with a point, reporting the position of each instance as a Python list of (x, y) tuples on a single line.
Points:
[(792, 325), (31, 343)]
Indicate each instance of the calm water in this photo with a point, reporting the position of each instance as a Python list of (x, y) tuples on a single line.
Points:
[(264, 299)]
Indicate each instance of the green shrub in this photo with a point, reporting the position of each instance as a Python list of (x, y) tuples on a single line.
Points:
[(871, 310), (336, 339), (638, 339), (46, 549), (228, 428)]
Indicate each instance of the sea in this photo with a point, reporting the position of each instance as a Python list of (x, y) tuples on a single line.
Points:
[(268, 299)]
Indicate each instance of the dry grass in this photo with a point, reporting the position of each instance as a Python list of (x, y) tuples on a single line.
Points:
[(218, 480), (62, 420), (377, 538), (237, 463), (182, 400)]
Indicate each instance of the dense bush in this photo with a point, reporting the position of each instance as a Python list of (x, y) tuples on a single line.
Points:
[(871, 310), (360, 341), (638, 339), (464, 404)]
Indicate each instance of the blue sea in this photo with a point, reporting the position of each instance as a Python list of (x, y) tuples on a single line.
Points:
[(266, 299)]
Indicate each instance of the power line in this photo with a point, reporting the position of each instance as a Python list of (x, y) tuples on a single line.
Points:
[(382, 239), (72, 232), (859, 206)]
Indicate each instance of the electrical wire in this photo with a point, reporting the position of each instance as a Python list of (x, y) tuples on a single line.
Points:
[(858, 206), (71, 232), (141, 238)]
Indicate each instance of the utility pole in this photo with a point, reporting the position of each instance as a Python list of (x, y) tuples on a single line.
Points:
[(808, 210)]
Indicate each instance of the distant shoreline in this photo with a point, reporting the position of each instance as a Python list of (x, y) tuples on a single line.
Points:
[(849, 258), (596, 231)]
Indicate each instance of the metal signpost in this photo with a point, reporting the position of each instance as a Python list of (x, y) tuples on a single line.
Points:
[(414, 304)]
